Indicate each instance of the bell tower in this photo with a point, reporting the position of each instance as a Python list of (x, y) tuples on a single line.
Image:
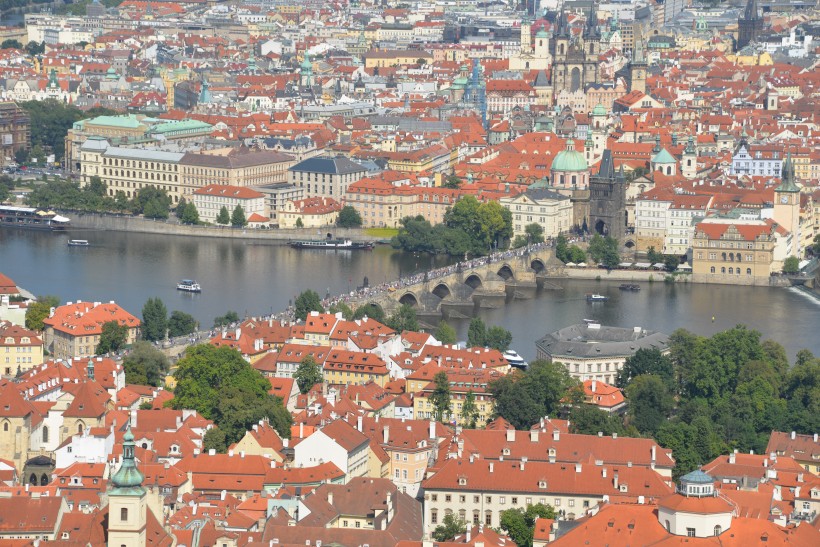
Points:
[(127, 501), (689, 160)]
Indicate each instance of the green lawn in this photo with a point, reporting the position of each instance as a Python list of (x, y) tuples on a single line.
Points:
[(382, 233)]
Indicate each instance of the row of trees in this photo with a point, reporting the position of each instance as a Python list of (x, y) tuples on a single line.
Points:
[(6, 188), (518, 524), (51, 119), (66, 194), (568, 253), (469, 228), (157, 325)]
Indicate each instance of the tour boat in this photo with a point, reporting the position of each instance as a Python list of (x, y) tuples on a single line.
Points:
[(514, 359), (189, 285), (596, 297), (31, 218), (332, 244), (78, 243), (629, 287)]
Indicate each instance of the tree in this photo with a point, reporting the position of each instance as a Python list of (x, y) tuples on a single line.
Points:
[(145, 365), (498, 338), (227, 319), (534, 232), (562, 249), (36, 48), (449, 528), (604, 251), (372, 310), (181, 324), (671, 262), (523, 398), (238, 219), (815, 246), (11, 44), (50, 121), (219, 384), (154, 320), (341, 307), (306, 302), (791, 265), (151, 202), (445, 333), (403, 319), (453, 182), (653, 256), (440, 398), (469, 411), (6, 187), (647, 361), (308, 374), (519, 523), (650, 403), (576, 254), (39, 310), (477, 333), (224, 217), (349, 217), (299, 223), (588, 419), (112, 337), (190, 215)]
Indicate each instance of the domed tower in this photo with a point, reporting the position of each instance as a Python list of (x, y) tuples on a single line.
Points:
[(695, 510), (127, 501), (306, 74), (689, 165), (570, 169)]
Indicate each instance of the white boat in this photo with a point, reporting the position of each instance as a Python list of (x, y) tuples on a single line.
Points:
[(514, 359), (189, 285), (596, 298), (78, 243)]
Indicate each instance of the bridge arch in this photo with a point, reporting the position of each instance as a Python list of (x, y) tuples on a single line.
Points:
[(506, 272), (442, 291), (473, 281), (629, 243), (377, 310), (538, 265), (409, 299)]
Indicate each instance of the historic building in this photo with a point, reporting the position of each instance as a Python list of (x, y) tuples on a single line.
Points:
[(547, 208), (15, 127), (607, 199), (749, 25), (575, 58)]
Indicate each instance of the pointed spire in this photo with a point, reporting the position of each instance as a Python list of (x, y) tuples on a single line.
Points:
[(787, 176), (657, 147), (128, 479)]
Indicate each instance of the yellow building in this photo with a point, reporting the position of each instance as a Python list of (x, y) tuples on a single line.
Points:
[(462, 382), (74, 330), (742, 254), (20, 349), (344, 367)]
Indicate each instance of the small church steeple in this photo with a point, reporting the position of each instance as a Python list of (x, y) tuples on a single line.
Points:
[(127, 500)]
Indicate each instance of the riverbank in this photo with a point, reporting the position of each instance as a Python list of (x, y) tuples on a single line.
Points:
[(600, 274), (127, 223)]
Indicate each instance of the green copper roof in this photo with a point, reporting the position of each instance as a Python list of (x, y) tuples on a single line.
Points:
[(127, 481), (182, 125), (663, 157), (542, 33), (787, 177), (599, 110), (123, 122), (569, 159)]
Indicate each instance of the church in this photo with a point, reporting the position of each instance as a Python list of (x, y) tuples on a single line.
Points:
[(575, 58)]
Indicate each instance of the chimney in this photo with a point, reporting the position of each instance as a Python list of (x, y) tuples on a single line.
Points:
[(238, 333), (359, 423), (603, 472), (386, 432), (765, 462), (301, 430), (556, 434), (815, 437), (732, 457), (614, 435), (133, 419), (330, 498), (534, 435), (594, 385), (615, 480), (654, 451), (468, 535), (521, 465), (793, 435), (223, 494), (491, 467), (578, 467), (432, 429), (511, 435)]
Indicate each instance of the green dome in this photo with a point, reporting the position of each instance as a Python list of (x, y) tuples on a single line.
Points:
[(569, 160), (599, 110), (306, 64), (663, 157), (542, 33), (128, 479)]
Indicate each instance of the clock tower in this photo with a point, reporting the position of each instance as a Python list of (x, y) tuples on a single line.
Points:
[(787, 205)]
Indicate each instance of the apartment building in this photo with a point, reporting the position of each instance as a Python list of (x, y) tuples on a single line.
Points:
[(550, 210), (74, 330), (325, 176), (15, 128), (20, 349), (210, 200)]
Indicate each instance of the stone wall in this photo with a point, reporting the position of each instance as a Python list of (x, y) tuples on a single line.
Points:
[(126, 223)]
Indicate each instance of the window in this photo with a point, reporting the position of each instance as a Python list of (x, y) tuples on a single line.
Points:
[(433, 517), (557, 502), (690, 532), (123, 514), (448, 498), (502, 500), (488, 518)]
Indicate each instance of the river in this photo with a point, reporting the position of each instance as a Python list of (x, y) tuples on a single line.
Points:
[(258, 279)]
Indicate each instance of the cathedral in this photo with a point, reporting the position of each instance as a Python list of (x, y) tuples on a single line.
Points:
[(575, 58)]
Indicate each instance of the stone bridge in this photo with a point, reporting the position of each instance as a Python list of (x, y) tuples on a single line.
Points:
[(458, 290)]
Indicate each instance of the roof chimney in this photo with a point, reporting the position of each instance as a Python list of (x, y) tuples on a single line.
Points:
[(359, 423), (491, 467), (732, 457), (594, 385), (534, 435), (133, 419), (330, 498), (386, 432), (556, 435), (654, 451), (432, 429), (793, 435), (615, 480)]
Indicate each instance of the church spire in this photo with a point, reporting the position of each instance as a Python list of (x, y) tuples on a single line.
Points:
[(128, 479), (751, 12), (787, 176)]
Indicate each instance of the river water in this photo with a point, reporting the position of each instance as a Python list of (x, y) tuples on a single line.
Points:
[(259, 279)]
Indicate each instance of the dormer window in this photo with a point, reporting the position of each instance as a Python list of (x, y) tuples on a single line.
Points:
[(462, 481), (542, 484), (506, 451)]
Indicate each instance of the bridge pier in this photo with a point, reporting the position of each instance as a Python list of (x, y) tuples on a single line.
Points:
[(525, 285)]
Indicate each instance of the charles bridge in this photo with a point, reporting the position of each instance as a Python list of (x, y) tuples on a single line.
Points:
[(455, 291)]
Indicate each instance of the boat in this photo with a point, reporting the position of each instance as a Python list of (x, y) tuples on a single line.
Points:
[(331, 244), (31, 218), (596, 297), (629, 287), (78, 243), (515, 360), (189, 285)]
